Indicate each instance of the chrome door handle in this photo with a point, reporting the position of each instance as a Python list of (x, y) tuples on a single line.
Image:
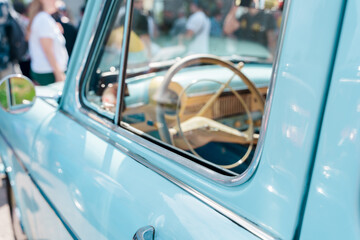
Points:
[(145, 233)]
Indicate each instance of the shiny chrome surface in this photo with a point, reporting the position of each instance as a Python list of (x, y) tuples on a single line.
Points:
[(17, 92), (293, 121), (268, 204), (268, 103), (302, 79), (228, 181), (241, 221), (108, 176), (123, 61), (145, 233)]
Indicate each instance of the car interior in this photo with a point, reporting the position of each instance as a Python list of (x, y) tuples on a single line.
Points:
[(206, 105)]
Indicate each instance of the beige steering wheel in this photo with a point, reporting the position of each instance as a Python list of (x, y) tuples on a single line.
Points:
[(203, 129)]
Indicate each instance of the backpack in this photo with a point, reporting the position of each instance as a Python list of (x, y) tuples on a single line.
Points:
[(17, 39), (4, 43)]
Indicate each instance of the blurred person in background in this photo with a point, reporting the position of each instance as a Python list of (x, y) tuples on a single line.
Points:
[(49, 57), (179, 25), (197, 29), (24, 63), (6, 67), (82, 11), (140, 25), (68, 29), (253, 25), (216, 29)]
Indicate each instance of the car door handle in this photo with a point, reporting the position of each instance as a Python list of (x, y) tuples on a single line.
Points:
[(145, 233)]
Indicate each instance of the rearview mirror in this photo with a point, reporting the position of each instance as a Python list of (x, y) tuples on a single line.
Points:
[(17, 94)]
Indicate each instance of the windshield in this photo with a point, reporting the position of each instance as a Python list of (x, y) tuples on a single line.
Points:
[(166, 30)]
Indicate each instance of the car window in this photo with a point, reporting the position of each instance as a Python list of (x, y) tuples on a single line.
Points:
[(197, 75), (101, 87)]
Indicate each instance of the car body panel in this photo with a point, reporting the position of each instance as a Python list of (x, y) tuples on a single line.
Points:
[(105, 194), (100, 181), (334, 195), (280, 178)]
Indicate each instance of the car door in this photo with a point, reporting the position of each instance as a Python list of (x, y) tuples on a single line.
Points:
[(102, 189), (108, 180)]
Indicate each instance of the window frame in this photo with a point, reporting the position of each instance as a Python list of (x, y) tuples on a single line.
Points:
[(93, 57), (177, 155)]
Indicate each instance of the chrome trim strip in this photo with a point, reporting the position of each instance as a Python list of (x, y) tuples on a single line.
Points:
[(239, 220), (229, 181), (123, 60), (248, 173), (129, 131), (217, 177), (8, 90), (98, 109)]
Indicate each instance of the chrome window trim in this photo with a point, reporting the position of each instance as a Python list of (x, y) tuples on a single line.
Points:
[(241, 221), (83, 63), (98, 109), (208, 173), (123, 61), (228, 181), (80, 74), (134, 135), (249, 172)]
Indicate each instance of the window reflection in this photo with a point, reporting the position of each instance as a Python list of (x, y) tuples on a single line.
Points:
[(166, 30), (210, 108)]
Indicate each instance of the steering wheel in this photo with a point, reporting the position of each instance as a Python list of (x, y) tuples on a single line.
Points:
[(165, 97)]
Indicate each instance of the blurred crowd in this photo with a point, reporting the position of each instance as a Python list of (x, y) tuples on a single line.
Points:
[(196, 24), (47, 32)]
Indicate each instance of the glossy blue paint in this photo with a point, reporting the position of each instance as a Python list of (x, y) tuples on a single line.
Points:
[(332, 210), (20, 181), (17, 153), (93, 181), (105, 194), (19, 132), (273, 197)]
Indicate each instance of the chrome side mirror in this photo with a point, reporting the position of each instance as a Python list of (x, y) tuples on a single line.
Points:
[(17, 93)]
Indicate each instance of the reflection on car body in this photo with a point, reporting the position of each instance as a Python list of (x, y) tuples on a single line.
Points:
[(149, 141)]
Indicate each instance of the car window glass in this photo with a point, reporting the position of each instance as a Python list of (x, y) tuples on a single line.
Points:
[(101, 89), (197, 76)]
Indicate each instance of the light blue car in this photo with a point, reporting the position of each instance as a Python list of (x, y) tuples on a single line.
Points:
[(255, 136)]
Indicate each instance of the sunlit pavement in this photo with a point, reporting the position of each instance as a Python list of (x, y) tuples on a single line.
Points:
[(6, 232)]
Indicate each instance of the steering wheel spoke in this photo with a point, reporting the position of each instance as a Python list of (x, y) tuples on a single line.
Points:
[(199, 130)]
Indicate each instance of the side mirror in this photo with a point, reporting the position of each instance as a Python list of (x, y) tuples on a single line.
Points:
[(17, 94)]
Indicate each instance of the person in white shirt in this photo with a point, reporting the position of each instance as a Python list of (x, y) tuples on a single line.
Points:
[(197, 30), (49, 57)]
